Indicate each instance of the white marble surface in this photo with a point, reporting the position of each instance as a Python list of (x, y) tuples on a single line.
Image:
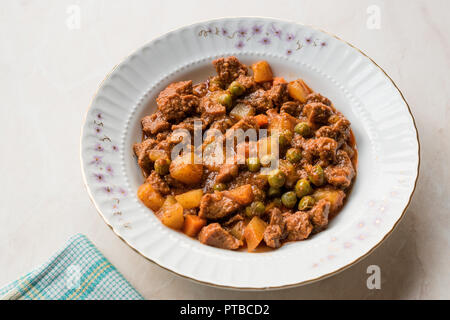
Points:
[(49, 73)]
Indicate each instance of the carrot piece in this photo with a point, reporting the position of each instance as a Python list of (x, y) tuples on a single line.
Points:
[(193, 225), (242, 195), (261, 120), (278, 80)]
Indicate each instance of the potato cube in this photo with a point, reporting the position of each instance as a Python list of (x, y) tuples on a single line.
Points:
[(190, 199), (242, 195), (185, 170), (254, 233), (299, 90), (150, 197), (262, 71), (173, 217)]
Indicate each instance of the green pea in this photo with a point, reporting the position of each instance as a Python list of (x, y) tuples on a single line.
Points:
[(302, 188), (277, 202), (162, 166), (253, 164), (257, 208), (289, 199), (316, 175), (285, 138), (220, 186), (273, 192), (225, 100), (276, 178), (303, 129), (306, 203), (236, 89), (293, 155)]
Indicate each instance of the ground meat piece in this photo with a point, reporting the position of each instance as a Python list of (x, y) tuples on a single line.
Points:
[(291, 107), (247, 82), (340, 175), (222, 124), (339, 131), (298, 226), (349, 150), (188, 124), (323, 148), (342, 129), (200, 90), (227, 172), (174, 183), (162, 136), (278, 94), (214, 235), (317, 113), (298, 141), (211, 109), (319, 214), (233, 220), (158, 183), (245, 124), (177, 101), (258, 100), (216, 206), (154, 124), (141, 151), (229, 69), (317, 97), (275, 231), (247, 177)]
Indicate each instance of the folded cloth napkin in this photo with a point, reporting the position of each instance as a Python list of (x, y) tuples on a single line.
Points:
[(77, 272)]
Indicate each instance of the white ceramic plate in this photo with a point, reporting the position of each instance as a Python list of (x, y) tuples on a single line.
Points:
[(381, 120)]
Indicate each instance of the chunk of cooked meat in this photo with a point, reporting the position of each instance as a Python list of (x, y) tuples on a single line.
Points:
[(227, 172), (278, 94), (236, 218), (229, 69), (210, 109), (177, 101), (141, 151), (291, 107), (259, 100), (298, 225), (275, 231), (342, 174), (154, 124), (317, 97), (216, 236), (158, 183), (317, 113), (189, 124), (323, 148), (339, 131), (216, 206), (319, 214)]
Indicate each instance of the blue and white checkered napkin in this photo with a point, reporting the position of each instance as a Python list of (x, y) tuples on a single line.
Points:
[(77, 272)]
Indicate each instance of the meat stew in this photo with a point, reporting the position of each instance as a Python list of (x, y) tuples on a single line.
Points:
[(282, 186)]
